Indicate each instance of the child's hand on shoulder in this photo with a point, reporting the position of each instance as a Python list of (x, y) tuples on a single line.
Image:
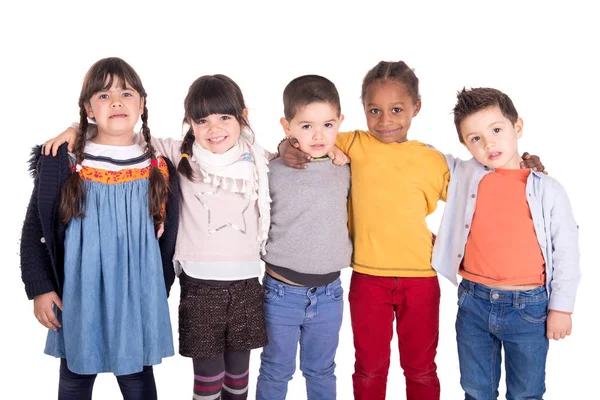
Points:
[(291, 154), (42, 309), (338, 157), (558, 325)]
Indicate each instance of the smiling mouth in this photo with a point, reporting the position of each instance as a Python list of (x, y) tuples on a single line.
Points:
[(387, 132), (217, 139)]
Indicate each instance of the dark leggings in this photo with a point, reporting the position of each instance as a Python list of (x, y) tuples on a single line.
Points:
[(226, 374), (138, 386)]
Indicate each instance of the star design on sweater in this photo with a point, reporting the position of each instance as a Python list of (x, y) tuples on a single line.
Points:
[(219, 219)]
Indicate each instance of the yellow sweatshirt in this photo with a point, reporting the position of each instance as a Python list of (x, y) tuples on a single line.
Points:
[(394, 187)]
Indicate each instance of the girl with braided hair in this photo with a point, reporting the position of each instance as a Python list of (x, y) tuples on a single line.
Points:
[(90, 256)]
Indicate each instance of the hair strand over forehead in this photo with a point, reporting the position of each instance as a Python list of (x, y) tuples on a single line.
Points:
[(470, 101)]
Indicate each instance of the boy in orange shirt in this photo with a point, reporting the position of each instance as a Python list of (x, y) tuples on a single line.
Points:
[(511, 235)]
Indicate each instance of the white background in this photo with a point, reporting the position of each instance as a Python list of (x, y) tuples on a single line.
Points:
[(544, 55)]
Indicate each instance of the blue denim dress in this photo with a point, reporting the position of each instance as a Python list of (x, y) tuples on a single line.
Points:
[(115, 315)]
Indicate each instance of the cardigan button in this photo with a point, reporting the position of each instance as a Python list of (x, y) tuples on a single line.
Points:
[(43, 240)]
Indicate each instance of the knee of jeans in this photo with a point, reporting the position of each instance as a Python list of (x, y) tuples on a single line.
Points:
[(282, 372), (317, 371)]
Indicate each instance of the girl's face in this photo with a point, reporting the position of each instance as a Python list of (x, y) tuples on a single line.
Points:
[(217, 133), (389, 109), (116, 111)]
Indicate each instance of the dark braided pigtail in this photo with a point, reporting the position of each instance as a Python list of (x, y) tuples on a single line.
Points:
[(392, 70), (157, 195), (72, 200), (187, 147)]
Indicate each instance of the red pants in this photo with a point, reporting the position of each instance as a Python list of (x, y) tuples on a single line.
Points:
[(415, 302)]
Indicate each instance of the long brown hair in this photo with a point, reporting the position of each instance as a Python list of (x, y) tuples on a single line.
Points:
[(100, 77)]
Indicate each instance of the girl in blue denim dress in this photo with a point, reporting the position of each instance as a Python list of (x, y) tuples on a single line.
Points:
[(103, 294)]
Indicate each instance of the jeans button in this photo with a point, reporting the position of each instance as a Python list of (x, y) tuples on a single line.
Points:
[(313, 290), (495, 296)]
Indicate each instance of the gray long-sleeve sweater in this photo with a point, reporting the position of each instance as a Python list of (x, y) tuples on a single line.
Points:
[(309, 218)]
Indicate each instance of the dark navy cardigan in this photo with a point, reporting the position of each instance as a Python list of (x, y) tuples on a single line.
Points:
[(42, 238)]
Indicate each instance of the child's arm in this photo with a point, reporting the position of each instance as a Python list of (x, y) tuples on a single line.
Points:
[(168, 147), (35, 260), (293, 157), (529, 161), (564, 234)]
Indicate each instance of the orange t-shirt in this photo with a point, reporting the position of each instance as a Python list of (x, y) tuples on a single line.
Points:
[(502, 247)]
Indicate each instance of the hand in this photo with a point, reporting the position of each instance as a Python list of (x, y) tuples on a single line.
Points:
[(558, 325), (52, 145), (532, 162), (42, 309), (161, 230), (433, 237), (338, 157), (291, 155)]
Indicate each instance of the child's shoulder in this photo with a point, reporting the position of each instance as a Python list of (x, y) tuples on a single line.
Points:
[(551, 185)]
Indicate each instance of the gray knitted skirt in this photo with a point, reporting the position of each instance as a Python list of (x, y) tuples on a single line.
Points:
[(216, 319)]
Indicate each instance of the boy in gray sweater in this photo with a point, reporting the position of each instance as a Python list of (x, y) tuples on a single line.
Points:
[(308, 245)]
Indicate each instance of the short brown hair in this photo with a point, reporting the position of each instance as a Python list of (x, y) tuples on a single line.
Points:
[(308, 89), (470, 101)]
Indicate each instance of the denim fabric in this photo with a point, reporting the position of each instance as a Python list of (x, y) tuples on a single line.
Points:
[(115, 315), (490, 319), (311, 316)]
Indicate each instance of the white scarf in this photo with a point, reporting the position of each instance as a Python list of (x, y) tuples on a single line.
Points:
[(241, 169)]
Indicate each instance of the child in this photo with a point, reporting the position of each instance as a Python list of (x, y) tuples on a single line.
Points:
[(89, 246), (396, 183), (308, 245), (511, 235), (223, 228)]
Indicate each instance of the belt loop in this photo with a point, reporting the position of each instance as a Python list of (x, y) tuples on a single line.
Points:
[(281, 290), (515, 299)]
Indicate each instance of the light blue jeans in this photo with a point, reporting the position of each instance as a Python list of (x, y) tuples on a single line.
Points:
[(490, 319), (311, 316)]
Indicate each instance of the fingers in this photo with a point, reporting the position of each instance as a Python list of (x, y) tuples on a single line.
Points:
[(161, 230), (48, 319), (53, 320), (294, 142), (47, 147), (298, 165), (526, 156), (557, 335), (56, 300)]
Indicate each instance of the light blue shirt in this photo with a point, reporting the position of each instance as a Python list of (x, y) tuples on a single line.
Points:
[(555, 228)]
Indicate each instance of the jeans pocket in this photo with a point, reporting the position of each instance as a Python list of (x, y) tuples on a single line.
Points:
[(535, 313), (462, 295), (337, 293), (270, 293)]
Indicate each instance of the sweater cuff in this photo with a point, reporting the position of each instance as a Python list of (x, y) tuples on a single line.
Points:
[(36, 288)]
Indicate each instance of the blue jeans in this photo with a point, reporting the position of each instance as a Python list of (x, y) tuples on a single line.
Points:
[(489, 319), (311, 316)]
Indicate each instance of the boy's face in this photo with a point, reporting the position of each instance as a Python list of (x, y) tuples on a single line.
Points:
[(492, 138), (315, 126), (389, 109)]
